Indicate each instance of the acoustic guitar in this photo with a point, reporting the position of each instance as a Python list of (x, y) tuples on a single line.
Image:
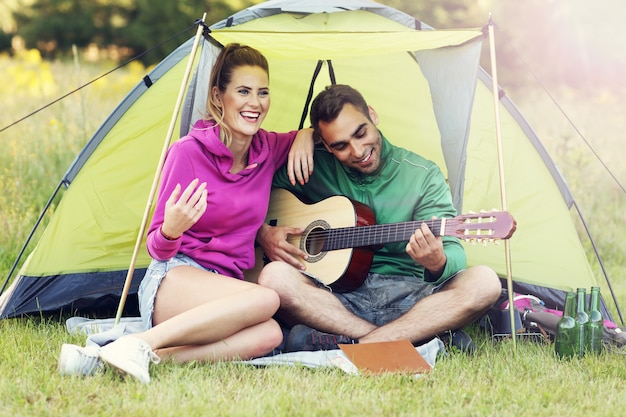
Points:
[(341, 235)]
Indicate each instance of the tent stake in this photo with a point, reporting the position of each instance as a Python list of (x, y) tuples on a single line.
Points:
[(507, 247), (157, 175)]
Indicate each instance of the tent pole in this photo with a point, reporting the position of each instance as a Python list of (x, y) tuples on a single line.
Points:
[(157, 175), (507, 247)]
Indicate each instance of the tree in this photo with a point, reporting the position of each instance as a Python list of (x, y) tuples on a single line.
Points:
[(49, 25), (5, 41), (135, 26), (148, 27)]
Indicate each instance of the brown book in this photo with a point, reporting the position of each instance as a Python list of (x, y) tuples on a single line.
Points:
[(399, 356)]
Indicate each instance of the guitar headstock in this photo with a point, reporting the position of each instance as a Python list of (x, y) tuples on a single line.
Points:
[(482, 226)]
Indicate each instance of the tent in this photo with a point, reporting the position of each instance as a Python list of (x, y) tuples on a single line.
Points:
[(431, 96)]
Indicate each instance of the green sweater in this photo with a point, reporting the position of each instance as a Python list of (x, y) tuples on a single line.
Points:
[(405, 187)]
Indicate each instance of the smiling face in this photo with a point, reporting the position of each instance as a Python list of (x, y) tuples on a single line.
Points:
[(245, 102), (354, 139)]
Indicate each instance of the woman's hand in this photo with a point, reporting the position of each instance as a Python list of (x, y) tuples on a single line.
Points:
[(183, 210), (300, 161)]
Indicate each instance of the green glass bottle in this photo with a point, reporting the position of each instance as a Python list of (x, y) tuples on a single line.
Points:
[(581, 318), (595, 324), (566, 332)]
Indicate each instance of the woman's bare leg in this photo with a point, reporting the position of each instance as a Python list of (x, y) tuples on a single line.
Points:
[(206, 316)]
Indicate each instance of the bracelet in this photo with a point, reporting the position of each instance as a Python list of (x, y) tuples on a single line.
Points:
[(167, 237)]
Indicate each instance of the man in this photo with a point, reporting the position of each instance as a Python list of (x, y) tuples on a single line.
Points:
[(415, 290)]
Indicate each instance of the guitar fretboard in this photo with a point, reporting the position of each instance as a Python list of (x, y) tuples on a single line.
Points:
[(372, 235)]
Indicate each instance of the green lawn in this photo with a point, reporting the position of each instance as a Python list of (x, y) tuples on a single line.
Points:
[(497, 381)]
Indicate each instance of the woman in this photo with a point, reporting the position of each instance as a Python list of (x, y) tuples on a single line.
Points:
[(213, 197)]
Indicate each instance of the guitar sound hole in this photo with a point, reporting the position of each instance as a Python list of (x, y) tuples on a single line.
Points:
[(315, 241)]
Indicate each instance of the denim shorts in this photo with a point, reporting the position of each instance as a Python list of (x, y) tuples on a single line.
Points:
[(151, 281), (383, 298)]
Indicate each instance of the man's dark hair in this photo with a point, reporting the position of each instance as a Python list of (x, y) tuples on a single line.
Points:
[(327, 105)]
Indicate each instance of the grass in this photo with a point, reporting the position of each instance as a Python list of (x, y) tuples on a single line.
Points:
[(495, 382)]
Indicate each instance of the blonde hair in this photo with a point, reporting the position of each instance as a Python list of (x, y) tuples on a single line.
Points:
[(233, 56)]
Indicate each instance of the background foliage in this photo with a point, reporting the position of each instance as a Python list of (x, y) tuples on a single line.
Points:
[(132, 26), (581, 42)]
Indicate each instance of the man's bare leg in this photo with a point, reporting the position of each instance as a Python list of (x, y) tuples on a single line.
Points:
[(463, 299), (301, 301)]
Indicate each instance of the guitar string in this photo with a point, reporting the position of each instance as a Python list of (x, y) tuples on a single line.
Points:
[(369, 235)]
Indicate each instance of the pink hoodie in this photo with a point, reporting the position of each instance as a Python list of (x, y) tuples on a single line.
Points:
[(223, 238)]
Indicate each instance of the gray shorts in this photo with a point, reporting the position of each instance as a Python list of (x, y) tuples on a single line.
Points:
[(383, 298), (151, 281)]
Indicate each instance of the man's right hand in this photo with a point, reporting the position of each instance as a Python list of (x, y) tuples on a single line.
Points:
[(273, 240)]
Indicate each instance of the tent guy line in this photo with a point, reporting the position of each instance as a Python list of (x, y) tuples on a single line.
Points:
[(88, 83), (561, 110)]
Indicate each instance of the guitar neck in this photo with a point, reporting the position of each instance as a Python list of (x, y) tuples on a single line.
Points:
[(374, 235)]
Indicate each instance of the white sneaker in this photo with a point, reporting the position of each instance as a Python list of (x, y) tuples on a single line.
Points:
[(77, 360), (130, 356)]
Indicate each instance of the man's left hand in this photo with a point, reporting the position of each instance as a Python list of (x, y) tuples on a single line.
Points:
[(427, 250)]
